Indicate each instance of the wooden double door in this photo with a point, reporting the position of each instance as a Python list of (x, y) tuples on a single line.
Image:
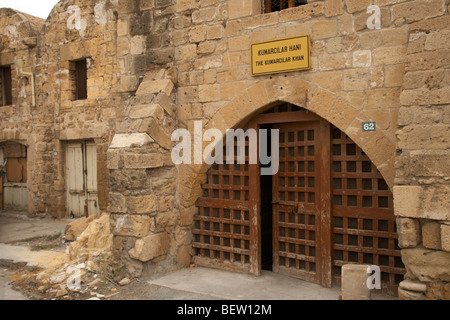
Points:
[(82, 186), (325, 207)]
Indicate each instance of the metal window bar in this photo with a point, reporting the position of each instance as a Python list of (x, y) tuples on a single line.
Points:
[(5, 86), (278, 5)]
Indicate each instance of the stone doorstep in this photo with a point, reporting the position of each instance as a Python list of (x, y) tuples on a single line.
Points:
[(412, 285)]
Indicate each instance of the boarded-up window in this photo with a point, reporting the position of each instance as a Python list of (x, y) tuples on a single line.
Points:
[(5, 86), (16, 170), (277, 5), (16, 165)]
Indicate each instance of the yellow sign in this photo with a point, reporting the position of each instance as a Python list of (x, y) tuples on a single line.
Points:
[(283, 55)]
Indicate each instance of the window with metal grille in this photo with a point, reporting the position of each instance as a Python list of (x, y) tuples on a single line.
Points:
[(277, 5), (79, 78), (5, 86)]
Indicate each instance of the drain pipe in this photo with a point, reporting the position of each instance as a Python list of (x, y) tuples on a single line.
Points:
[(2, 176), (19, 64)]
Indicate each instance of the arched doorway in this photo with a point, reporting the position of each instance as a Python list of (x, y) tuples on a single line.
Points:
[(327, 206), (13, 176)]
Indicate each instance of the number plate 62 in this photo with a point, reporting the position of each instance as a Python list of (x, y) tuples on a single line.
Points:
[(368, 126)]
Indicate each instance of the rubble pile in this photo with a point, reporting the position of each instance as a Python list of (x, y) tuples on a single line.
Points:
[(87, 270)]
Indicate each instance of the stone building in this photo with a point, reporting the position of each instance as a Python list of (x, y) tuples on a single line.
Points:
[(90, 98)]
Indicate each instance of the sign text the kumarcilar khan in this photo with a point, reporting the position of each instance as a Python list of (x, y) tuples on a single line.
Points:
[(282, 55)]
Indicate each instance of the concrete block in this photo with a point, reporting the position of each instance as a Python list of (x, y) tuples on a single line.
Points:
[(354, 282), (124, 140)]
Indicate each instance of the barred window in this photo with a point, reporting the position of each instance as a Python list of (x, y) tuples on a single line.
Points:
[(78, 77), (5, 86), (277, 5)]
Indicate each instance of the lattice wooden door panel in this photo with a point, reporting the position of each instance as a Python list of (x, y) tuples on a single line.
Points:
[(364, 229), (295, 194), (222, 227), (330, 206)]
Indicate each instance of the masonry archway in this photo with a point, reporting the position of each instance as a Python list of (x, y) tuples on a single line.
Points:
[(236, 224), (378, 145)]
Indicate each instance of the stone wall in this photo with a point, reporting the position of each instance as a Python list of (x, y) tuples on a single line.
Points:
[(19, 33), (159, 65), (422, 189)]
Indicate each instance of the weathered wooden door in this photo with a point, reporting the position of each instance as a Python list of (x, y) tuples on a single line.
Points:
[(14, 177), (330, 206), (363, 221), (82, 194), (2, 160), (91, 179), (301, 208)]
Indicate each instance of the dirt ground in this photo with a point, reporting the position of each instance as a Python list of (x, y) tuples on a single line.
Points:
[(99, 284)]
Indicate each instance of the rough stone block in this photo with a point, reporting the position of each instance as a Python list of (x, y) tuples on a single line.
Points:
[(183, 5), (214, 32), (336, 61), (156, 132), (408, 232), (445, 236), (187, 215), (141, 204), (197, 34), (362, 58), (184, 256), (129, 179), (122, 27), (431, 235), (324, 29), (76, 227), (300, 13), (150, 247), (146, 111), (356, 80), (389, 55), (334, 8), (342, 114), (143, 161), (131, 225), (165, 102), (424, 137), (155, 86), (418, 10), (208, 93), (322, 101), (422, 202), (117, 203), (357, 5), (434, 163), (426, 265), (240, 8), (412, 285), (128, 83), (404, 294)]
